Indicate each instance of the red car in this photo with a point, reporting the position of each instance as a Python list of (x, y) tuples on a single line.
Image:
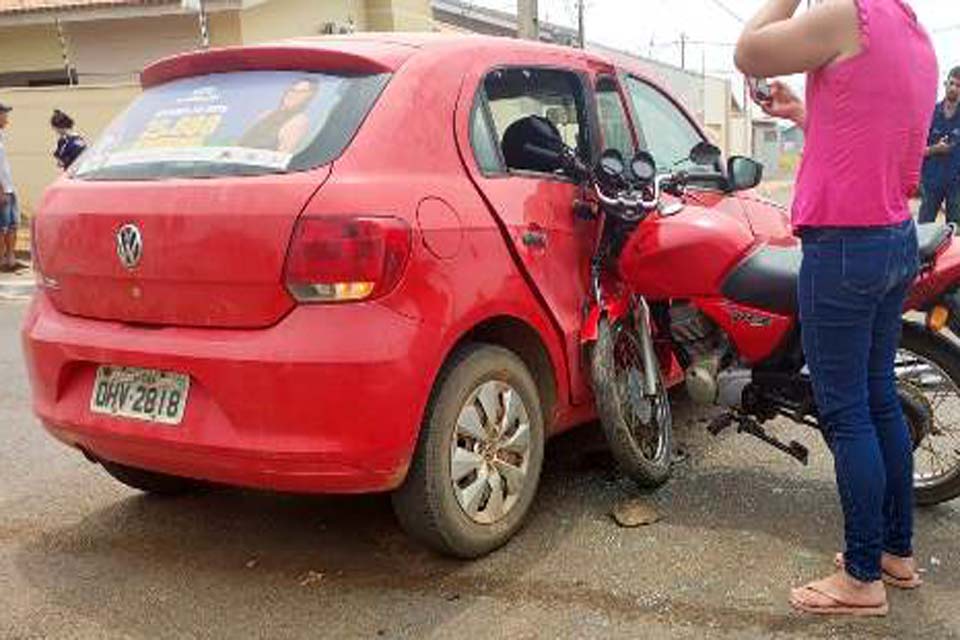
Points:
[(315, 267)]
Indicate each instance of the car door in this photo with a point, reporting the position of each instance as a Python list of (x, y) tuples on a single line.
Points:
[(534, 205)]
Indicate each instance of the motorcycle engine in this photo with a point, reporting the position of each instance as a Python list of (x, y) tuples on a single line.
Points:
[(708, 378)]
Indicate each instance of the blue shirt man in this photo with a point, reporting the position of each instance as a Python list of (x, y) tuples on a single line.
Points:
[(941, 167)]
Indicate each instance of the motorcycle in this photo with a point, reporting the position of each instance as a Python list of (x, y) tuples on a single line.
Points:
[(692, 295)]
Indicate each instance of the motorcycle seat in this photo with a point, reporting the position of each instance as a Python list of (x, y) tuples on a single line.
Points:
[(767, 280), (930, 238)]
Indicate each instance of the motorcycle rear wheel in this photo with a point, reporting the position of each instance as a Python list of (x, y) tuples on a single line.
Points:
[(928, 368), (639, 430)]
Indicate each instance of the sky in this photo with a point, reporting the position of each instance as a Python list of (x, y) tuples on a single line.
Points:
[(652, 28)]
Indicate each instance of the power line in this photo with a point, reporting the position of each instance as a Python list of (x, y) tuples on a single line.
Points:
[(730, 12), (699, 43)]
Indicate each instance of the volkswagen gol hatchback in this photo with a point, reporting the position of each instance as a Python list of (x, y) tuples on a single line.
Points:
[(315, 267)]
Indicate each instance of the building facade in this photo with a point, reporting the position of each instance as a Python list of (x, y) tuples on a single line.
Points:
[(87, 42)]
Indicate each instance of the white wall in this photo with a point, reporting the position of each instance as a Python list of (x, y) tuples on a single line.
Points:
[(113, 51)]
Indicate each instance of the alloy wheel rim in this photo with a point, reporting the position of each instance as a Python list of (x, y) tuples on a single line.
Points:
[(490, 452)]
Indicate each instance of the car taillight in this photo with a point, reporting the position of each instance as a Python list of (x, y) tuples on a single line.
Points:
[(346, 259)]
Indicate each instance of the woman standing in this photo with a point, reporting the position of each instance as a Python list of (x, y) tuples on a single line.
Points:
[(871, 87), (69, 144)]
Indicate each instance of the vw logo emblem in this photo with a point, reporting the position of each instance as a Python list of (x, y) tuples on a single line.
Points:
[(129, 245)]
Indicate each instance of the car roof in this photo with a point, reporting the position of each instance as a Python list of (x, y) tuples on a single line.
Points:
[(370, 52)]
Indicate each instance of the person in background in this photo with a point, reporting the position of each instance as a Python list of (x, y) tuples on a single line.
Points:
[(941, 167), (9, 210), (872, 76), (69, 144)]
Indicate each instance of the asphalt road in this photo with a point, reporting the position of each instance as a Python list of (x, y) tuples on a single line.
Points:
[(83, 557)]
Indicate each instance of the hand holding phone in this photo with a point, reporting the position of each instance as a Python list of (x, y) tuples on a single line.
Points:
[(761, 91), (777, 100)]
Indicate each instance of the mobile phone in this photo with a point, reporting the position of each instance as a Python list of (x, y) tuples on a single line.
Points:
[(760, 90)]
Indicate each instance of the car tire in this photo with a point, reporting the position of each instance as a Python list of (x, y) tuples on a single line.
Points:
[(159, 484), (430, 505)]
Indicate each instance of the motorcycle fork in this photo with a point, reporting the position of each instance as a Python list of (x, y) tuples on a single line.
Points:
[(639, 310), (651, 365)]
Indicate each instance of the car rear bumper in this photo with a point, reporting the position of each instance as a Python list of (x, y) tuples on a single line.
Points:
[(327, 401)]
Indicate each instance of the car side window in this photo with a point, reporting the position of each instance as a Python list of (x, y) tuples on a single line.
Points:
[(614, 124), (516, 96), (482, 140), (662, 128)]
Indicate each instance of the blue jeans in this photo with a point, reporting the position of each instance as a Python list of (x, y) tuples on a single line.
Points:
[(9, 214), (934, 197), (853, 285)]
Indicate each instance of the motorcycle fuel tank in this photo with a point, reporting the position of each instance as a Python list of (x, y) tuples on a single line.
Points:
[(688, 254)]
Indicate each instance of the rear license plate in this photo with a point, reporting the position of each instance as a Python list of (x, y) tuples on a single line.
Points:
[(140, 394)]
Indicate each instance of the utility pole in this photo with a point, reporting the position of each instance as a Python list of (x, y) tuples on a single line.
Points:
[(528, 21), (683, 51), (198, 7), (65, 52), (581, 28)]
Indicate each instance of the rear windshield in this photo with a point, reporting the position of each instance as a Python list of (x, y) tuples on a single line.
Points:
[(245, 123)]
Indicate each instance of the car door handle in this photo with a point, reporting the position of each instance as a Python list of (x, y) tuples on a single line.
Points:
[(535, 238)]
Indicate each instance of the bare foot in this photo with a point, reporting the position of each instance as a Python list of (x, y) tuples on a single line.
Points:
[(841, 594), (897, 572)]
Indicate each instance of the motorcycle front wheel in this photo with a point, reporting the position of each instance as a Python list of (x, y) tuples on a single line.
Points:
[(638, 429)]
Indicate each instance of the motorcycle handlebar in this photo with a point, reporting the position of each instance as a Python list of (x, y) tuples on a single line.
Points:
[(569, 161), (634, 201)]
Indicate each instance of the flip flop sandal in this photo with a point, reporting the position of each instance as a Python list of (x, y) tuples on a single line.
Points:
[(837, 607), (897, 582)]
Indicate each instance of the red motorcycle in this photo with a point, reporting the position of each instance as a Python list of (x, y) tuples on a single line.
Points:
[(689, 294)]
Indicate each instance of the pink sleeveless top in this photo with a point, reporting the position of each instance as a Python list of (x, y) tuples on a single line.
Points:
[(868, 118)]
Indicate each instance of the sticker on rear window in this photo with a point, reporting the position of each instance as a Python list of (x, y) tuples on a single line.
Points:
[(220, 124)]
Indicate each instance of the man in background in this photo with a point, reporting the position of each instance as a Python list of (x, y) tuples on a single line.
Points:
[(941, 167), (9, 210)]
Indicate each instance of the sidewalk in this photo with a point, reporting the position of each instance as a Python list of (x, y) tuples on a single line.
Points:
[(17, 286)]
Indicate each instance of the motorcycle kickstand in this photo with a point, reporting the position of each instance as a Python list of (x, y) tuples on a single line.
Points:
[(749, 426)]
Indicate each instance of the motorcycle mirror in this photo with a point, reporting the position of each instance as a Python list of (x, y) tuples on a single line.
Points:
[(743, 173), (611, 164), (644, 167), (705, 154), (533, 144), (547, 137)]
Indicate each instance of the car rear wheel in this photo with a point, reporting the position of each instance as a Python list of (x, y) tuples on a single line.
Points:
[(151, 482), (478, 459)]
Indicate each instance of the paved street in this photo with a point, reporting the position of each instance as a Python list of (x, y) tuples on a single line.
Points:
[(83, 557)]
